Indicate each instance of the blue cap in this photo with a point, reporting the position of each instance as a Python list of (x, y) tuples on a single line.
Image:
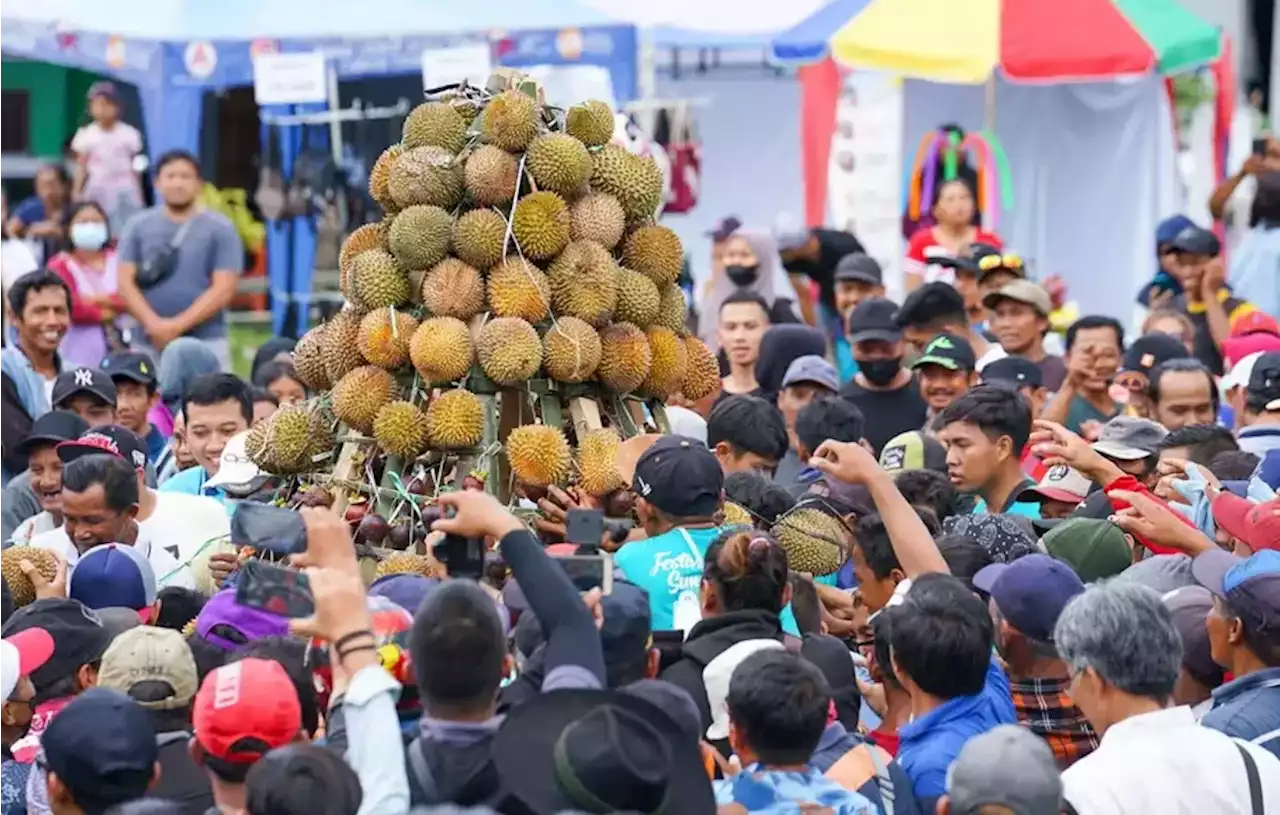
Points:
[(1256, 578), (811, 368), (680, 476), (1030, 592), (405, 590), (102, 742), (1268, 470), (113, 574), (627, 630)]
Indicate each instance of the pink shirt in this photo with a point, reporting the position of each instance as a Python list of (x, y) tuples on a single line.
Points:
[(108, 160)]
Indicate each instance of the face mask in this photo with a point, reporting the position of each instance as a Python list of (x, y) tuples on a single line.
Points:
[(880, 372), (90, 235), (742, 276)]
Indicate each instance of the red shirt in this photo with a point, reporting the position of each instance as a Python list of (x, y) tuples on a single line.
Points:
[(923, 247), (885, 740)]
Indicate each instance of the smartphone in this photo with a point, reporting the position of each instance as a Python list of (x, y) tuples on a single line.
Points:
[(585, 527), (462, 557), (275, 530), (589, 571), (1260, 147), (274, 589)]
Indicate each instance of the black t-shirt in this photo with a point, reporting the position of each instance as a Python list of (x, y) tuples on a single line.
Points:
[(833, 244), (888, 413)]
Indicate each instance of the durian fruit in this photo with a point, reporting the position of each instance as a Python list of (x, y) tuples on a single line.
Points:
[(571, 350), (517, 288), (20, 586), (453, 289), (636, 182), (380, 176), (409, 563), (597, 217), (377, 282), (420, 236), (736, 515), (400, 428), (308, 359), (654, 251), (491, 175), (466, 109), (359, 395), (478, 236), (455, 419), (384, 337), (625, 357), (255, 445), (540, 224), (510, 121), (509, 350), (590, 122), (434, 124), (558, 162), (426, 175), (670, 361), (539, 455), (291, 437), (340, 344), (441, 349), (598, 462), (584, 283), (815, 541), (638, 299), (368, 236), (671, 308), (702, 375)]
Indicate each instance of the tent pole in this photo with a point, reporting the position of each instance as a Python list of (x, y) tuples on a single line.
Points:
[(991, 103)]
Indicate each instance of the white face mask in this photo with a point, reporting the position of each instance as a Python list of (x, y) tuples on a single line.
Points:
[(89, 235)]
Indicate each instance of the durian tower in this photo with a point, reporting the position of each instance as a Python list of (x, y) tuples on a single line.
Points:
[(519, 261)]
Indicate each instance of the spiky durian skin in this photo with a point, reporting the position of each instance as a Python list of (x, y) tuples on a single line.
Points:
[(453, 289), (597, 217), (426, 175), (380, 176), (540, 225), (638, 299), (625, 357), (654, 251), (668, 365), (377, 281), (815, 541), (341, 344), (591, 122), (359, 395), (491, 175), (597, 462), (434, 124), (420, 236), (368, 236), (441, 349), (455, 419), (584, 283), (384, 337), (636, 182), (308, 359), (517, 288), (702, 375), (509, 350), (672, 311), (736, 515), (558, 162), (400, 428), (571, 350), (510, 121), (20, 586), (539, 455), (478, 238)]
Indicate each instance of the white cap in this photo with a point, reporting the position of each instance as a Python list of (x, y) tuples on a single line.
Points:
[(1238, 376), (234, 465), (685, 422)]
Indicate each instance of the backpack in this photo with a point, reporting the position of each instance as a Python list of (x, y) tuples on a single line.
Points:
[(427, 764)]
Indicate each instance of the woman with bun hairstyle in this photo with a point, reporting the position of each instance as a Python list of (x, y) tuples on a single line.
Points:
[(743, 592)]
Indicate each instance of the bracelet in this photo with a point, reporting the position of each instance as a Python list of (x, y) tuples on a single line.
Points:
[(354, 635), (342, 655)]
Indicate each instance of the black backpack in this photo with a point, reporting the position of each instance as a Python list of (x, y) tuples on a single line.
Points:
[(464, 775)]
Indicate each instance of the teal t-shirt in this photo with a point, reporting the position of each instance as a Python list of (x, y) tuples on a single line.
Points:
[(191, 482), (667, 566), (1081, 410), (1029, 509)]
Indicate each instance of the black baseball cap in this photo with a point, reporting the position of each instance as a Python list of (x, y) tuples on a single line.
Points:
[(1016, 371), (968, 260), (83, 380), (1150, 350), (104, 742), (626, 635), (724, 227), (680, 476), (948, 351), (1195, 240), (872, 319), (859, 267), (111, 439), (1264, 380), (51, 428), (131, 365), (79, 637)]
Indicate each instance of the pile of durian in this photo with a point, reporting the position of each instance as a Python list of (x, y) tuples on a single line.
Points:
[(517, 242)]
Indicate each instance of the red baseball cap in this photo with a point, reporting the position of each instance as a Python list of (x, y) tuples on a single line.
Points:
[(246, 709), (1257, 525), (1254, 322), (1237, 348)]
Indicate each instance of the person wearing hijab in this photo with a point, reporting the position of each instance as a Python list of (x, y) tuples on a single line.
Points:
[(1163, 285), (751, 263), (273, 350), (183, 361), (782, 345)]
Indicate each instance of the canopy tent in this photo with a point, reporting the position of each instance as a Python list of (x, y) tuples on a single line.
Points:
[(1092, 156), (723, 24)]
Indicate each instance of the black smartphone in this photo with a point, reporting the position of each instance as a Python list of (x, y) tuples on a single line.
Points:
[(275, 530), (1260, 147), (589, 571), (585, 527), (462, 557), (274, 589)]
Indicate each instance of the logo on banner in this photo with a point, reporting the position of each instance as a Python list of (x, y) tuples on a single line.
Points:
[(201, 59), (263, 46), (116, 52), (569, 44)]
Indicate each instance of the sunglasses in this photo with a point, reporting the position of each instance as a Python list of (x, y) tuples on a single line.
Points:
[(989, 263), (1132, 381)]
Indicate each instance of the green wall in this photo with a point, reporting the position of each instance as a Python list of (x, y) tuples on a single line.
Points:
[(57, 105)]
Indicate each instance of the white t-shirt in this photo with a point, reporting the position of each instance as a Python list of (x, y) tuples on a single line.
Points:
[(108, 160), (31, 527)]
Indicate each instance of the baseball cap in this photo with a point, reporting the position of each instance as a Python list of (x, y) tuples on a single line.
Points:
[(789, 232), (948, 351), (245, 710), (913, 450), (1264, 380), (113, 574), (724, 227), (156, 656), (114, 439), (1007, 766), (1162, 573), (1060, 483), (131, 365), (1150, 350), (858, 267), (626, 634), (685, 422), (1250, 585), (102, 742), (1254, 322), (234, 465), (405, 590), (1021, 291), (872, 319), (78, 636), (228, 625), (1092, 547), (51, 428), (102, 89), (20, 655), (1129, 438), (1195, 240), (1189, 606), (679, 476), (1236, 350), (811, 368), (1255, 524), (1017, 371), (83, 380), (1030, 592)]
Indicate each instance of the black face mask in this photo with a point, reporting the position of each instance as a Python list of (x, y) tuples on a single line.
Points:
[(743, 276), (880, 372)]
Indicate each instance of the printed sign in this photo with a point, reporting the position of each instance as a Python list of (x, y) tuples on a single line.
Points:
[(201, 59), (290, 79), (449, 66)]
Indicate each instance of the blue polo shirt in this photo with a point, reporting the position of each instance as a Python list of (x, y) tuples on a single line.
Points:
[(191, 482), (1248, 708)]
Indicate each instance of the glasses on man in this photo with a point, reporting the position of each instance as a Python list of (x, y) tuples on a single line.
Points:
[(989, 263)]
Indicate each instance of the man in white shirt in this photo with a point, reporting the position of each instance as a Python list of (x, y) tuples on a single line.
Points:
[(171, 530), (1124, 654)]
